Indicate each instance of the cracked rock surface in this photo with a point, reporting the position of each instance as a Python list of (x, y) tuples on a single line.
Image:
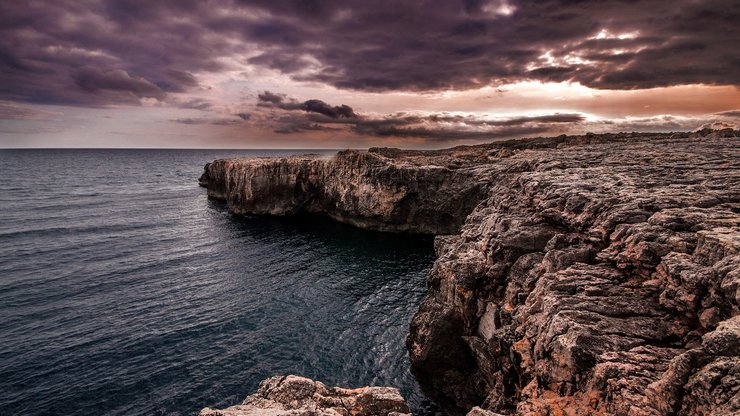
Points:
[(299, 396), (580, 275)]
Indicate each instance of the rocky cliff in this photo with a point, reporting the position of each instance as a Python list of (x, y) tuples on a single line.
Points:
[(593, 274), (365, 189)]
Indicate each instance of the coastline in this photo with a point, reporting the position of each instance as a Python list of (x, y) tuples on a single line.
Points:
[(590, 274)]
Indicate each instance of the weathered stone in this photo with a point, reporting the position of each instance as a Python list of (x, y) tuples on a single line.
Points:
[(477, 411), (595, 274), (363, 189), (299, 396)]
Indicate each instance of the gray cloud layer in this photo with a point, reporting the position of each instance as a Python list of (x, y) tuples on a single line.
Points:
[(96, 52), (287, 116)]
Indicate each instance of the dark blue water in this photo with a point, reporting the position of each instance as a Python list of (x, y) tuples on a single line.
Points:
[(125, 291)]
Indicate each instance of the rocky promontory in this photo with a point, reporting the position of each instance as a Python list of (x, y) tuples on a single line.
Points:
[(366, 189), (575, 275)]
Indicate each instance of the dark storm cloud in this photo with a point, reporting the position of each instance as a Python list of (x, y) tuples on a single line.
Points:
[(286, 116), (92, 80), (272, 98), (340, 111), (94, 53), (606, 44), (98, 52), (269, 99)]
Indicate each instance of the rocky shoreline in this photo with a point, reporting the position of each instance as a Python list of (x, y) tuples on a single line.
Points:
[(298, 396), (594, 274)]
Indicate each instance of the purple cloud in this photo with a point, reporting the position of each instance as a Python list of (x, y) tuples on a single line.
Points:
[(98, 52), (92, 80), (287, 116), (269, 99)]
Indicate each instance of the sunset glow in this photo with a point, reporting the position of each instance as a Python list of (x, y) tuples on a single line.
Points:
[(189, 74)]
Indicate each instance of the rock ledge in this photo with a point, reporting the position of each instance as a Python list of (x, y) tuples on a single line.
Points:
[(299, 396)]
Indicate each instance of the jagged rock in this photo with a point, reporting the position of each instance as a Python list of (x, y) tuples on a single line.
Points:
[(595, 274), (477, 411), (363, 189), (299, 396)]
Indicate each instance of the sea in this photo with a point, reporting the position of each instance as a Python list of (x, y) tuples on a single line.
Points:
[(124, 290)]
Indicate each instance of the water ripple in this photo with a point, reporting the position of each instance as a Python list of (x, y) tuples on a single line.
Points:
[(125, 291)]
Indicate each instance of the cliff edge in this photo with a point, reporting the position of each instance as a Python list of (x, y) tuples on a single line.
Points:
[(576, 275)]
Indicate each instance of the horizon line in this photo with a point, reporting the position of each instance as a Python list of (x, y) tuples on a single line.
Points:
[(178, 148)]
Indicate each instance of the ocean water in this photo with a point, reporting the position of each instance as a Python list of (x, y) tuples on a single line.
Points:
[(125, 291)]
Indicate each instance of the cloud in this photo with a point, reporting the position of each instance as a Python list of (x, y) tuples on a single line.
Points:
[(12, 111), (318, 106), (213, 121), (719, 125), (101, 52), (732, 114), (270, 99), (193, 104), (173, 80), (286, 116), (95, 53), (443, 44), (92, 80), (29, 130), (660, 123)]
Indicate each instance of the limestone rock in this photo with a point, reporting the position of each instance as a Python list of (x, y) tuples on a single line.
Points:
[(585, 283), (364, 189), (576, 275), (299, 396)]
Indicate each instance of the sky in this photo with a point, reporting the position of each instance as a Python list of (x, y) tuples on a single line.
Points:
[(354, 74)]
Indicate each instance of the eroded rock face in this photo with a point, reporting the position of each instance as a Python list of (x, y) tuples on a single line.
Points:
[(593, 282), (595, 274), (364, 189), (299, 396)]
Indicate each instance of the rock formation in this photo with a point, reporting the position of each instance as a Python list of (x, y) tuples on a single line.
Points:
[(577, 275), (299, 396), (362, 189)]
